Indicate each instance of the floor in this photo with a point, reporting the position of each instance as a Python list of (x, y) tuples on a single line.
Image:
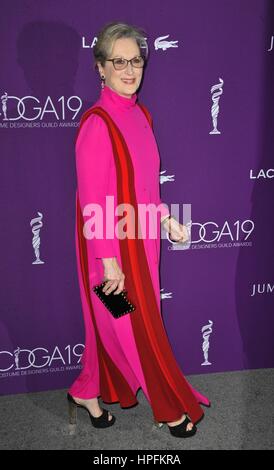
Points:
[(241, 417)]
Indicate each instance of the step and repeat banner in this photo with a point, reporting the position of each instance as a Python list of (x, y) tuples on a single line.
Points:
[(209, 87)]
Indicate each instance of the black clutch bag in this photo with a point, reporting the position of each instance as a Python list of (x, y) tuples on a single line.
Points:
[(117, 304)]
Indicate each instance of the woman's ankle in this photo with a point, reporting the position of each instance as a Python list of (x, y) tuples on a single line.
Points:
[(178, 421)]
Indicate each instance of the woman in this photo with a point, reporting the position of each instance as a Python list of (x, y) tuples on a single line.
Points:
[(117, 157)]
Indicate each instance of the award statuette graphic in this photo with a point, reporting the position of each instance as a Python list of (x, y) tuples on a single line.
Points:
[(4, 99), (206, 330), (37, 224), (16, 356), (215, 106)]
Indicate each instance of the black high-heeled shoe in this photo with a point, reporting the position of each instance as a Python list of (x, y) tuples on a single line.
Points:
[(181, 429), (100, 422)]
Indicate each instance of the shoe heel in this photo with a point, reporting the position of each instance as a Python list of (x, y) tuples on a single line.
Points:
[(157, 424), (100, 422), (72, 409)]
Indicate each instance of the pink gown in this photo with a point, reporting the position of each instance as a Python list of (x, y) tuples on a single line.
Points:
[(97, 177)]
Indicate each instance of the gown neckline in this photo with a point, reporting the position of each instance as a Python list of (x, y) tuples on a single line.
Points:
[(115, 98)]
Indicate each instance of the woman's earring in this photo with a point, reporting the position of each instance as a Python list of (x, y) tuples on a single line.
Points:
[(103, 81)]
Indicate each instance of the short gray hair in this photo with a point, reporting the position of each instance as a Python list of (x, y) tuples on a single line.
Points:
[(112, 31)]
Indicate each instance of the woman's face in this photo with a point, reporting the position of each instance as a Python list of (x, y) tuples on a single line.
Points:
[(127, 48)]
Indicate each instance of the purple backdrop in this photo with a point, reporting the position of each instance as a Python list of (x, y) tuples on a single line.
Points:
[(210, 69)]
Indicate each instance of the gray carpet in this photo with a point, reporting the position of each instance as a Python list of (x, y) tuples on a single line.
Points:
[(241, 417)]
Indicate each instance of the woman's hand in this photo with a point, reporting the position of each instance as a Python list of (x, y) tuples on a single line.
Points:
[(177, 232), (115, 277)]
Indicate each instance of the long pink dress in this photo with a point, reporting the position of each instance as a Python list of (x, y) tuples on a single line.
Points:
[(114, 366)]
